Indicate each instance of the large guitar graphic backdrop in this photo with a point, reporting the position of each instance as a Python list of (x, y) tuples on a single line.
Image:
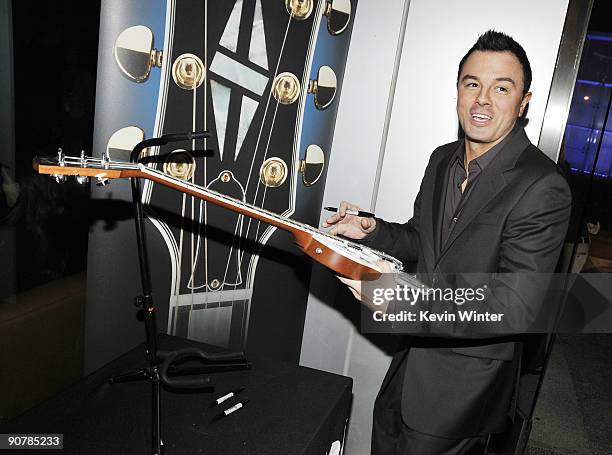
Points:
[(264, 78)]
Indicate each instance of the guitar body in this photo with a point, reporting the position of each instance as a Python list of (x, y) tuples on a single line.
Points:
[(219, 277)]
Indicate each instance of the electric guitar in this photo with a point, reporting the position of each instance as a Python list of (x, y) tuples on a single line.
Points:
[(342, 256)]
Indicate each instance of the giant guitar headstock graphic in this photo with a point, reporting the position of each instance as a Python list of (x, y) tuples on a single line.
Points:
[(263, 77)]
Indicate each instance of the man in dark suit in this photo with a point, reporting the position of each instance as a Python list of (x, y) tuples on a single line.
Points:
[(489, 203)]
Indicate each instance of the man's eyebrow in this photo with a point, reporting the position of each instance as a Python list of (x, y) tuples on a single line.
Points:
[(506, 79), (500, 79), (469, 76)]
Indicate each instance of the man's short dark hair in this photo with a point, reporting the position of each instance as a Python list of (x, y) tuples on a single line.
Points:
[(500, 42)]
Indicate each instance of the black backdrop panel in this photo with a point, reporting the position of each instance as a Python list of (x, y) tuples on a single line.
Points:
[(170, 66)]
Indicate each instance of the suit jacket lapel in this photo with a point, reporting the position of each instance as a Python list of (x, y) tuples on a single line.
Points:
[(438, 197), (490, 182)]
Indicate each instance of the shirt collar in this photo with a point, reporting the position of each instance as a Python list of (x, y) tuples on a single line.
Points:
[(483, 160)]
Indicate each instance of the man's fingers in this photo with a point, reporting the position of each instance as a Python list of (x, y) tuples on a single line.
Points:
[(333, 219), (344, 206)]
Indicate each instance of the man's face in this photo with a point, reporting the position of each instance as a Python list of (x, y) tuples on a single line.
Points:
[(490, 96)]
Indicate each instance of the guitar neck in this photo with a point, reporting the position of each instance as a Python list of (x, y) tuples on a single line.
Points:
[(224, 201), (341, 255), (93, 167)]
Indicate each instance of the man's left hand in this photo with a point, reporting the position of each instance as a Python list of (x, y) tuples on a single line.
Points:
[(355, 285)]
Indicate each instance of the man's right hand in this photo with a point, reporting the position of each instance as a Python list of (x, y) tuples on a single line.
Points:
[(351, 226)]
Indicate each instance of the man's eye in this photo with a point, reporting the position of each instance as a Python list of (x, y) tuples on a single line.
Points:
[(501, 89), (471, 84)]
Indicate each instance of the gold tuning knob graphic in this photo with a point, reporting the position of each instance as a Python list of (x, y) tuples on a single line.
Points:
[(286, 88), (181, 164), (134, 53), (323, 87), (188, 71), (299, 9), (273, 172)]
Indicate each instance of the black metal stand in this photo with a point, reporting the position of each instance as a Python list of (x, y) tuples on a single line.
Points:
[(162, 364)]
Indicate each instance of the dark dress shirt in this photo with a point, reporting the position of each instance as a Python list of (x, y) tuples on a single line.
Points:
[(455, 199)]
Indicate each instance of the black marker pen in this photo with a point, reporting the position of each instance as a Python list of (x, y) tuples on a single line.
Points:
[(352, 212)]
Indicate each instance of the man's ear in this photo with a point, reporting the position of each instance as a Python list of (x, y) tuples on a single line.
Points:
[(524, 103)]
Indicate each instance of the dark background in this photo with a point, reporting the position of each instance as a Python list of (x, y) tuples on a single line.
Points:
[(55, 54)]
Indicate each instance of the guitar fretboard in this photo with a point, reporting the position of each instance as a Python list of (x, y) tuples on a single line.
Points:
[(100, 167)]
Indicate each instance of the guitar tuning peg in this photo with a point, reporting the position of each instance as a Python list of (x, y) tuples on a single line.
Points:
[(135, 54), (61, 157), (82, 179), (59, 178), (338, 13), (101, 181), (323, 87)]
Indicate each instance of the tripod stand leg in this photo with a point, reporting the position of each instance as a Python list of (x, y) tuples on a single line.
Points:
[(156, 415), (135, 375)]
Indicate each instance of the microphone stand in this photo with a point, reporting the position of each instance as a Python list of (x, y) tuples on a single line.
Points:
[(161, 362)]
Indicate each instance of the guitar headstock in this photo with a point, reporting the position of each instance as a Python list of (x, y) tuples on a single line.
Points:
[(83, 167)]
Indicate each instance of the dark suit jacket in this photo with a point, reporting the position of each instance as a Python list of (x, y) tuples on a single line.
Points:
[(514, 220)]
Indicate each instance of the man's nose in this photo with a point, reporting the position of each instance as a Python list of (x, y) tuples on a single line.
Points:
[(483, 97)]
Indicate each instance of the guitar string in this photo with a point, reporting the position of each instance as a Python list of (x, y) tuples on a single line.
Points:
[(271, 128), (204, 203), (183, 220), (180, 259), (264, 158), (240, 256), (203, 207), (193, 222), (170, 181), (181, 240), (246, 235), (168, 45), (263, 199), (206, 284)]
